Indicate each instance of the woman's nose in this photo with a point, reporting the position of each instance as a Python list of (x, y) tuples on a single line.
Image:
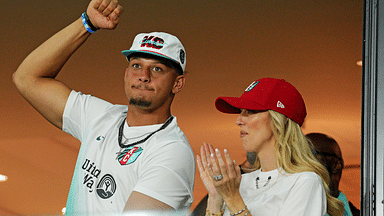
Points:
[(239, 120)]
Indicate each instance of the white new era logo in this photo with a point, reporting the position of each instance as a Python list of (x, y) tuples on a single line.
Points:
[(281, 105)]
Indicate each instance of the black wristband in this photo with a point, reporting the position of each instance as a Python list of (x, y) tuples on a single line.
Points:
[(91, 26)]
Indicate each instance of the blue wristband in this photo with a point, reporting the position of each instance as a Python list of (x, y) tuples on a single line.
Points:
[(87, 23)]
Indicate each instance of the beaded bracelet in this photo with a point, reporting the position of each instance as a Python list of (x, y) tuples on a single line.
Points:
[(88, 24), (239, 212)]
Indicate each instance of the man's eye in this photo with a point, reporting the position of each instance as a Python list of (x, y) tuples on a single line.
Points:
[(136, 65), (158, 69)]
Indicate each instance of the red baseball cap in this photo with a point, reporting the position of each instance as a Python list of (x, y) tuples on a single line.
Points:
[(267, 94)]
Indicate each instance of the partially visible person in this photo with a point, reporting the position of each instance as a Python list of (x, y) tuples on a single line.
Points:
[(132, 157), (328, 152), (289, 180)]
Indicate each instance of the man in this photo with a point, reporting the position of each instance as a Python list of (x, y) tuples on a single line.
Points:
[(134, 158), (328, 153)]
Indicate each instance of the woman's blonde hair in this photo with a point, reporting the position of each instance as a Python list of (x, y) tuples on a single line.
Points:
[(294, 154)]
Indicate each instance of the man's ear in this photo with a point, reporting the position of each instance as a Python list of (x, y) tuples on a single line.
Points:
[(125, 73), (179, 84)]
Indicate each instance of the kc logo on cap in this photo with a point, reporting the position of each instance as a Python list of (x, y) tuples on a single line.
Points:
[(159, 44), (152, 42)]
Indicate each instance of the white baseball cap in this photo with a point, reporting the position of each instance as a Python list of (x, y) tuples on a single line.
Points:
[(160, 44)]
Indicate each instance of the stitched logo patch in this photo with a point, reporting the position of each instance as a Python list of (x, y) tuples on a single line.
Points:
[(153, 42), (99, 138), (279, 104), (129, 155)]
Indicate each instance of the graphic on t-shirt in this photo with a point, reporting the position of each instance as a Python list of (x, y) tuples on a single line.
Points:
[(91, 173), (129, 155), (106, 187)]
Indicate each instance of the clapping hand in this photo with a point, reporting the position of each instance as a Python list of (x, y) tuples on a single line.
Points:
[(220, 174)]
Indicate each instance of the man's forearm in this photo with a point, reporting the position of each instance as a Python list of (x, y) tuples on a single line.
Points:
[(47, 60)]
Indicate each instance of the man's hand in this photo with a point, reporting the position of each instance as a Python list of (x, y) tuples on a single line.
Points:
[(104, 14)]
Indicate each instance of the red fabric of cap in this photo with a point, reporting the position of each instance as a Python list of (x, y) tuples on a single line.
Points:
[(267, 94)]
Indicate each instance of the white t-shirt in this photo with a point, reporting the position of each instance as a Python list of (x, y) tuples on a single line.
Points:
[(162, 167), (299, 194)]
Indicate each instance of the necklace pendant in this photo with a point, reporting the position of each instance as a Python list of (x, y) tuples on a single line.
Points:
[(119, 153), (257, 182)]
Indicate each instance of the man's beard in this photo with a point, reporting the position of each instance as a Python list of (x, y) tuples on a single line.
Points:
[(139, 103)]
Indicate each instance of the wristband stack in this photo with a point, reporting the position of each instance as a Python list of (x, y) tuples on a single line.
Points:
[(88, 24)]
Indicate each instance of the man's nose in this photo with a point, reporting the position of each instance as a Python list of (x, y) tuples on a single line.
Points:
[(145, 75)]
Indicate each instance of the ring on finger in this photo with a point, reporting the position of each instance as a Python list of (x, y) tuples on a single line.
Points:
[(218, 178)]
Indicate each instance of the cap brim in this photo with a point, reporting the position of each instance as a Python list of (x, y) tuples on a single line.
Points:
[(128, 53), (233, 105)]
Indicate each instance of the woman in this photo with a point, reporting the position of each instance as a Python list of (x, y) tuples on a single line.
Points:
[(288, 179)]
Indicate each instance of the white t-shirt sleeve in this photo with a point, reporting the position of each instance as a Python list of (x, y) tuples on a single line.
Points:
[(79, 111), (168, 175), (307, 197)]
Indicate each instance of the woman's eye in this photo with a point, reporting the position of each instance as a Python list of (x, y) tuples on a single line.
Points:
[(251, 112)]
